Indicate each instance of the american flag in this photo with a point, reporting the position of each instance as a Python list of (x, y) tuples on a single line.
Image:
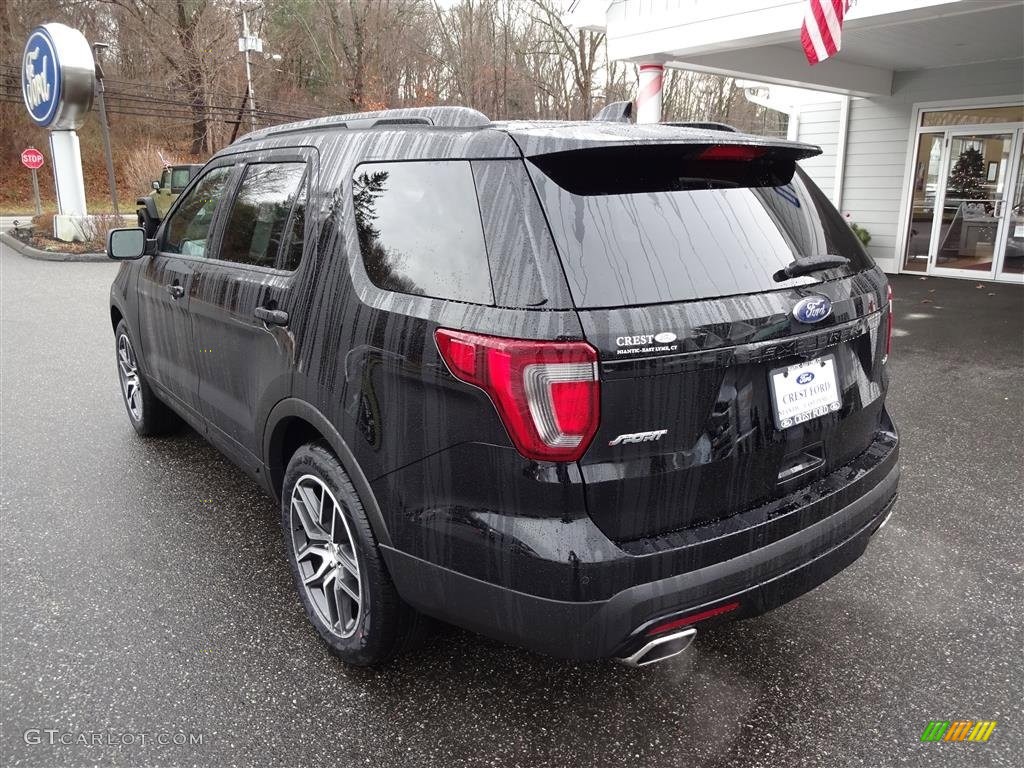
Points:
[(823, 28)]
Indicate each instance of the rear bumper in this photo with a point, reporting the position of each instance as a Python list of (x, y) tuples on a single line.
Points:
[(759, 579)]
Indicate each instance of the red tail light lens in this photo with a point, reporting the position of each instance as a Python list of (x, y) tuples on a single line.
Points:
[(546, 392), (888, 327), (693, 618), (731, 152)]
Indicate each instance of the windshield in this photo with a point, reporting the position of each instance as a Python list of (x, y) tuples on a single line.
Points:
[(668, 245)]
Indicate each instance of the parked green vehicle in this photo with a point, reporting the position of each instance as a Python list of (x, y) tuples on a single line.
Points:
[(154, 206)]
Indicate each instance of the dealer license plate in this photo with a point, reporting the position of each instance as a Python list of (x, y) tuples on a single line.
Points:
[(805, 391)]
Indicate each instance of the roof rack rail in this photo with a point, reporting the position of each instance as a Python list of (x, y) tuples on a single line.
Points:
[(436, 117), (707, 125)]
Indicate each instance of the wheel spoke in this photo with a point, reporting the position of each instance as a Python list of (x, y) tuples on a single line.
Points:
[(346, 561), (339, 583), (311, 549), (319, 573), (343, 605), (311, 527)]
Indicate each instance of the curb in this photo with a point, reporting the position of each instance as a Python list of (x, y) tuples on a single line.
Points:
[(34, 253)]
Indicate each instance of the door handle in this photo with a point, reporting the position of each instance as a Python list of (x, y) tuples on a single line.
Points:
[(176, 291), (271, 316)]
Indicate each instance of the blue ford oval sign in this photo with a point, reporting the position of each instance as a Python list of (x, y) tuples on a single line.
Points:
[(57, 77), (805, 378), (40, 77), (812, 309)]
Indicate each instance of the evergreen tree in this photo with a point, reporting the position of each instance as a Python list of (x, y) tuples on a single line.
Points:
[(966, 180)]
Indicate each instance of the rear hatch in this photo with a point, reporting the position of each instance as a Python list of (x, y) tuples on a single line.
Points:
[(715, 396)]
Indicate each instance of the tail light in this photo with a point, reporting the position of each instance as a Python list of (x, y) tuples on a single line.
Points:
[(888, 327), (735, 152), (546, 392)]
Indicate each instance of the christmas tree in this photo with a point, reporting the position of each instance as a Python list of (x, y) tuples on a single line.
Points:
[(966, 180)]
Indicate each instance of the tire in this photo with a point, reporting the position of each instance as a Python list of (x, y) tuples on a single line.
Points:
[(147, 414), (349, 598)]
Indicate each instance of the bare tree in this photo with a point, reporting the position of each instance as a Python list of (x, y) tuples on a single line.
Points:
[(199, 28)]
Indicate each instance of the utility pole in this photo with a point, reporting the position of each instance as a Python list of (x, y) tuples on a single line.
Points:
[(97, 49), (248, 43)]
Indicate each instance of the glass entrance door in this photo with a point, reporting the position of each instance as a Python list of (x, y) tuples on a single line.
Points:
[(925, 185), (971, 204), (1012, 265), (966, 212)]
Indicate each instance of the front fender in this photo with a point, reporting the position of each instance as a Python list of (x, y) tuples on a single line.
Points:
[(150, 205)]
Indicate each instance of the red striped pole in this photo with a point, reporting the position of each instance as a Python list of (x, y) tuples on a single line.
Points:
[(648, 97)]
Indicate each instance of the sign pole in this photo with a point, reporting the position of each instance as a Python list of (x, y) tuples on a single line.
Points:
[(35, 191), (101, 93)]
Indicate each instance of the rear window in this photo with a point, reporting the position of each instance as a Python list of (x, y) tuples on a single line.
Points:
[(681, 233), (420, 231)]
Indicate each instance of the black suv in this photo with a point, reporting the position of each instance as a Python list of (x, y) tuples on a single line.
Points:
[(582, 387)]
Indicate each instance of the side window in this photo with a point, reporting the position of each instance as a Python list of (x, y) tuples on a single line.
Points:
[(419, 229), (189, 225), (295, 242), (179, 178), (259, 213)]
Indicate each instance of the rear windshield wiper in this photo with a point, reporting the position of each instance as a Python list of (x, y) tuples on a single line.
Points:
[(805, 265)]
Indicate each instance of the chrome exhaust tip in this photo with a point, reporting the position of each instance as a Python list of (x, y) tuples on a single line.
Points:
[(661, 648), (885, 520)]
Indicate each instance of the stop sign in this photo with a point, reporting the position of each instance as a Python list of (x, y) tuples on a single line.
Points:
[(32, 158)]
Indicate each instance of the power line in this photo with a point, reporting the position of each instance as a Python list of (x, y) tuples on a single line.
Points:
[(131, 98)]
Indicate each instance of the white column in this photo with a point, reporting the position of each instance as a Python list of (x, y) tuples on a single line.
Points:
[(648, 97), (71, 222), (66, 159)]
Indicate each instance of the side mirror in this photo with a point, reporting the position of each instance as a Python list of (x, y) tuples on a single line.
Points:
[(126, 244), (156, 185)]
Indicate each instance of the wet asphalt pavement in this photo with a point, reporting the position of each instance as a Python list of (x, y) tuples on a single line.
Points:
[(144, 592)]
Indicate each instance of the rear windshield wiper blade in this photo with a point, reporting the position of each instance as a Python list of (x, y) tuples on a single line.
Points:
[(806, 265)]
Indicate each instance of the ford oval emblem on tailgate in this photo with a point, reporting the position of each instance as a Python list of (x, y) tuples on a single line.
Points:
[(812, 309)]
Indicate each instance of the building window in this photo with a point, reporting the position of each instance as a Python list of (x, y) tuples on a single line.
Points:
[(973, 116)]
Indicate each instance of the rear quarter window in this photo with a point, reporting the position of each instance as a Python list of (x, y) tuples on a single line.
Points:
[(669, 245), (420, 231)]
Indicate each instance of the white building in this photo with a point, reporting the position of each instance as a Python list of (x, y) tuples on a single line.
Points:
[(920, 115)]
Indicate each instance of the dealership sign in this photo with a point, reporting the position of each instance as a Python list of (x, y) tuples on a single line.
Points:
[(57, 77), (41, 78)]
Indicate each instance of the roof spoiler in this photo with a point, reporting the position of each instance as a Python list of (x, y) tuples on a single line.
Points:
[(703, 163), (707, 125)]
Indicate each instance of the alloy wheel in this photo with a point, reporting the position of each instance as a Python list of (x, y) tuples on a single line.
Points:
[(325, 553), (128, 371)]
